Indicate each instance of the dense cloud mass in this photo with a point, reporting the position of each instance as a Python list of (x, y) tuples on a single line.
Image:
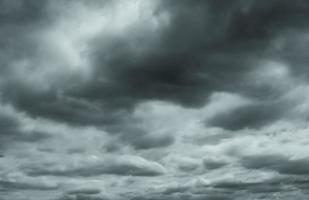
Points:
[(154, 99)]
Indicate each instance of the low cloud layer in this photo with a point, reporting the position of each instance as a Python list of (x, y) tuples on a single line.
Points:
[(154, 99), (135, 166)]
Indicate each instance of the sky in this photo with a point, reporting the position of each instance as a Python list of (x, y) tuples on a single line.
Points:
[(154, 99)]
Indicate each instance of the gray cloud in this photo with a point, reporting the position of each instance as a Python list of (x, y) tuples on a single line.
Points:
[(132, 97), (141, 139), (11, 130), (179, 66), (168, 63), (10, 185), (199, 60), (85, 191), (211, 164), (124, 166), (228, 189), (82, 197), (249, 116), (277, 163)]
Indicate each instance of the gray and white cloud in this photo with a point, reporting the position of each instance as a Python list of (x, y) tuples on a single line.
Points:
[(154, 99)]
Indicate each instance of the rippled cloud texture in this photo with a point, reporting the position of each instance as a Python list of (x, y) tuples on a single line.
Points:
[(154, 99)]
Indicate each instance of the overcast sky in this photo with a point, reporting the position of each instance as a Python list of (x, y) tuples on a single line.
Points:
[(154, 99)]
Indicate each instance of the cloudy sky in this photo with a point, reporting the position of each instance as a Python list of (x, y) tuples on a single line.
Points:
[(154, 99)]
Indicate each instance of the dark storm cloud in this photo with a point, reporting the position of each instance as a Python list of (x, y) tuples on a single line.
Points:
[(21, 12), (18, 19), (8, 123), (206, 47), (11, 131), (50, 104), (279, 163), (250, 116)]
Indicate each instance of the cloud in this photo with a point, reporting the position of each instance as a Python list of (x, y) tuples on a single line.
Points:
[(85, 193), (143, 139), (211, 164), (255, 187), (11, 182), (145, 99), (249, 116), (9, 185), (146, 142), (82, 197), (187, 164), (12, 129), (150, 58), (123, 166), (279, 163), (167, 63)]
